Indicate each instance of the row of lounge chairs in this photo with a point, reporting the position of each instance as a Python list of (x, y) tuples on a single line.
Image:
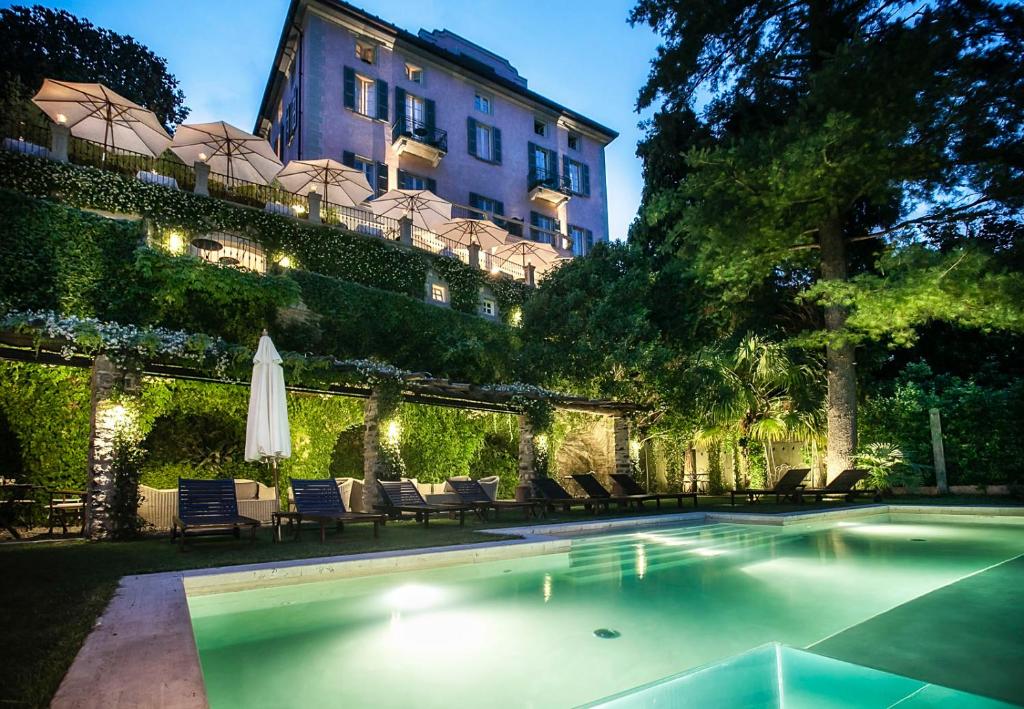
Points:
[(211, 506), (791, 487)]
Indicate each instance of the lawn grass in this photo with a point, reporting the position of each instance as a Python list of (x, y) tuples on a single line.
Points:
[(52, 592)]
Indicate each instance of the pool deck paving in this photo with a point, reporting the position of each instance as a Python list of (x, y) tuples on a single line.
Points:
[(985, 609), (142, 651)]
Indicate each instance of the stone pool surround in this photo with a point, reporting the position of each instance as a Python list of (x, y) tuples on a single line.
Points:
[(142, 652)]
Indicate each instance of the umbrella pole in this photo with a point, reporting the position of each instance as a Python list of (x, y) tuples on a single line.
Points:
[(277, 487)]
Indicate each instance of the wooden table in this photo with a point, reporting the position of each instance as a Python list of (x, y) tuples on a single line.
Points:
[(15, 499), (294, 518)]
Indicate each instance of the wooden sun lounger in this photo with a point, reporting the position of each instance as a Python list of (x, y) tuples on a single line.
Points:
[(401, 497), (320, 501), (208, 507), (595, 490), (471, 492), (550, 494), (631, 487), (789, 486), (842, 486)]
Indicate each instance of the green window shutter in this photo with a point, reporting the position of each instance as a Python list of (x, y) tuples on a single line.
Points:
[(496, 148), (531, 157), (432, 185), (499, 208), (400, 107), (430, 115), (551, 162), (565, 166), (474, 200), (382, 179), (534, 219), (403, 180), (350, 88), (471, 135), (585, 169), (348, 158), (382, 99), (590, 240)]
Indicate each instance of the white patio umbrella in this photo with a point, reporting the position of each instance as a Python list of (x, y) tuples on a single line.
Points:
[(523, 251), (482, 232), (95, 113), (425, 208), (336, 183), (267, 436), (227, 150)]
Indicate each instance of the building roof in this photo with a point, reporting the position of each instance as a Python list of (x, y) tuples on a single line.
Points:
[(405, 37)]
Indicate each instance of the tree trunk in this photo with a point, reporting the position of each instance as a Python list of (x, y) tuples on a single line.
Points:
[(839, 360)]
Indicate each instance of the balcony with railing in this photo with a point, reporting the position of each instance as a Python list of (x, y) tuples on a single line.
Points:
[(409, 136), (548, 186)]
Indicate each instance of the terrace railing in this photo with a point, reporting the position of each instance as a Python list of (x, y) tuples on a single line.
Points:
[(362, 221), (34, 138)]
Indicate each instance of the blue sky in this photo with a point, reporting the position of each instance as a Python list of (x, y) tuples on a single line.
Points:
[(580, 53)]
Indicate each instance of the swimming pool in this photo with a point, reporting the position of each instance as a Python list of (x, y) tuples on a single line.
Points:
[(615, 612)]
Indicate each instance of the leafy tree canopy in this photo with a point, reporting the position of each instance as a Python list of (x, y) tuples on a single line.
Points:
[(41, 43)]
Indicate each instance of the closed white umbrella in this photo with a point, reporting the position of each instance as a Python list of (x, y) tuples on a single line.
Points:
[(423, 207), (267, 436), (466, 232), (95, 113), (227, 150), (336, 183)]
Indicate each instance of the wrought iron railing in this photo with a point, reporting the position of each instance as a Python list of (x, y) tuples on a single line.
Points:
[(421, 133), (362, 221), (227, 249), (271, 198), (549, 179)]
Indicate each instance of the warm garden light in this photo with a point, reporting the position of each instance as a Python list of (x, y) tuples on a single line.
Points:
[(176, 243), (285, 262), (394, 432), (515, 316), (62, 119)]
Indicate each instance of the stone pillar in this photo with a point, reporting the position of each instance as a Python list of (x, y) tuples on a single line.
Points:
[(527, 452), (106, 420), (405, 231), (371, 451), (202, 171), (621, 432), (530, 274), (60, 135), (474, 256), (315, 200)]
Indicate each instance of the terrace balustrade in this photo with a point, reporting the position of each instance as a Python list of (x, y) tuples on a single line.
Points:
[(168, 171)]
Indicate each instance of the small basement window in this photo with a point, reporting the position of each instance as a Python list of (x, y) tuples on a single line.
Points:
[(488, 307), (438, 293)]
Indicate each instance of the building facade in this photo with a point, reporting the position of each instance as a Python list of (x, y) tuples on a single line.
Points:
[(435, 111)]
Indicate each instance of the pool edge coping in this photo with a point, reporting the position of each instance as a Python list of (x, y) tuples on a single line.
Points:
[(156, 662)]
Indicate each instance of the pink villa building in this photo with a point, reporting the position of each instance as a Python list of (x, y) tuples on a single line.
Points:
[(433, 110)]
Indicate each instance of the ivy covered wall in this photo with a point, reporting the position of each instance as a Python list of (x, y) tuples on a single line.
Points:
[(77, 263), (325, 250), (197, 429)]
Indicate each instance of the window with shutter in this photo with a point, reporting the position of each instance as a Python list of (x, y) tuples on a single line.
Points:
[(431, 184), (350, 88), (348, 158), (496, 152), (382, 100), (400, 106), (471, 135), (382, 179)]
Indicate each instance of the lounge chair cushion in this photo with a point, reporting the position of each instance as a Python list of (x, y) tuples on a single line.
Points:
[(247, 489)]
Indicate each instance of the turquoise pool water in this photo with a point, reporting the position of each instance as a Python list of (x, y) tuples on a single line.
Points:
[(521, 633)]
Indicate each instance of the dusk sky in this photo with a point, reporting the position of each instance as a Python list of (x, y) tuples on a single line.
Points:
[(579, 53)]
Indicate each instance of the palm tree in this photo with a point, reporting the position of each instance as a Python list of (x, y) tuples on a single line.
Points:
[(756, 393)]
